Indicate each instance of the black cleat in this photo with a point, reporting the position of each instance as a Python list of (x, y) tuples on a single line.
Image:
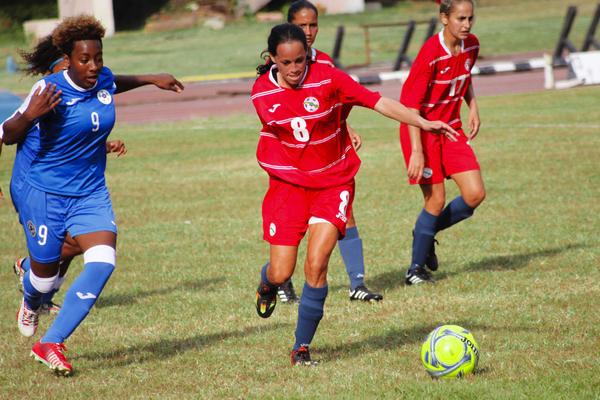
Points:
[(431, 261), (364, 294), (286, 293), (266, 299), (302, 357), (417, 275)]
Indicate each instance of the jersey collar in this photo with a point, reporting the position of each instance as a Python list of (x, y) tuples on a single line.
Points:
[(441, 39), (76, 86)]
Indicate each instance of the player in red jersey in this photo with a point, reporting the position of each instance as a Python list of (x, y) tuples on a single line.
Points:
[(311, 163), (305, 15), (439, 79)]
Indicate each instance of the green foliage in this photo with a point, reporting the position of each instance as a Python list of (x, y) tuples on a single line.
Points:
[(177, 320)]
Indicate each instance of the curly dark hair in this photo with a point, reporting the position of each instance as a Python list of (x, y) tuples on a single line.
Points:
[(43, 55), (73, 29)]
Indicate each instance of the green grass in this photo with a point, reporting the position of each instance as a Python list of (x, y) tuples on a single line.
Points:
[(177, 318), (503, 26)]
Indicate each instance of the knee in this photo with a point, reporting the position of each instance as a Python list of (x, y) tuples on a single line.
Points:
[(101, 254), (435, 204), (475, 198), (278, 276)]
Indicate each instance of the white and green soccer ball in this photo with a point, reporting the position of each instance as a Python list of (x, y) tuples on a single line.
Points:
[(449, 351)]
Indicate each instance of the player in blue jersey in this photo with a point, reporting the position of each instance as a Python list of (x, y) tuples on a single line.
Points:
[(305, 14), (65, 190), (44, 59)]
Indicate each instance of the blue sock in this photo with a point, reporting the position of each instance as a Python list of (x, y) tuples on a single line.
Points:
[(310, 313), (33, 298), (79, 299), (423, 237), (352, 253), (455, 211), (47, 297)]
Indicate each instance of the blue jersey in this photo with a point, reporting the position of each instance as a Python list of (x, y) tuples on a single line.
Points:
[(72, 139)]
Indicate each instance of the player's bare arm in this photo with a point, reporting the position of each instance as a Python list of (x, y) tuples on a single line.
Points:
[(161, 81), (474, 121), (42, 102), (416, 164), (395, 110)]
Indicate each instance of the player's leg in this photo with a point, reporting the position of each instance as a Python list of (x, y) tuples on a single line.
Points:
[(69, 250), (322, 238), (351, 249), (434, 196), (284, 213), (44, 232), (279, 269), (472, 194)]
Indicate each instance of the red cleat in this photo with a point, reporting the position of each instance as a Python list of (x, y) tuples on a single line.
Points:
[(52, 354)]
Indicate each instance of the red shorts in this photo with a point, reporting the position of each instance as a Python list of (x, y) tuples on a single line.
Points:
[(288, 209), (443, 157)]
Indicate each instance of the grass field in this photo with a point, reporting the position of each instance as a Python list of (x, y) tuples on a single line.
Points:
[(503, 27), (177, 319)]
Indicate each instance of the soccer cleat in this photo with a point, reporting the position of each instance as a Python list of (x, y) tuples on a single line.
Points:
[(266, 299), (431, 261), (27, 320), (52, 355), (302, 357), (418, 275), (364, 294), (19, 272), (287, 293), (49, 308)]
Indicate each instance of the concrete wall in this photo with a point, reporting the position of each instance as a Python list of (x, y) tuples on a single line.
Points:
[(341, 6), (101, 9)]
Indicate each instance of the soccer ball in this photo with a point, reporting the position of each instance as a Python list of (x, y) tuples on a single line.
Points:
[(449, 351)]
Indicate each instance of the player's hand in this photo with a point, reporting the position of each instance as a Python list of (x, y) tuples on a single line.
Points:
[(167, 82), (474, 123), (441, 128), (42, 102), (356, 139), (416, 165), (116, 146)]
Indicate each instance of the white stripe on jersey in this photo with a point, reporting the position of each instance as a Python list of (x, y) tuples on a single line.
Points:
[(316, 84), (454, 121), (439, 59), (471, 48), (268, 92), (440, 102), (463, 76), (302, 145), (292, 168), (313, 116)]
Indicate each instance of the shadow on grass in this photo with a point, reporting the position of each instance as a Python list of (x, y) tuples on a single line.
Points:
[(511, 262), (395, 338), (131, 297), (165, 348)]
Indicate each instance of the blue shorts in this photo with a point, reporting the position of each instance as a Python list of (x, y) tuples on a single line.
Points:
[(47, 218), (16, 189)]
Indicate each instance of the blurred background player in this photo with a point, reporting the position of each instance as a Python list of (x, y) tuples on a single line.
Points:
[(45, 59), (311, 164), (305, 15), (65, 189), (439, 79)]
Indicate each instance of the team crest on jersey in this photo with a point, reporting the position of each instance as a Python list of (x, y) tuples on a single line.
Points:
[(311, 104), (468, 64), (31, 228), (272, 229), (104, 96), (427, 173)]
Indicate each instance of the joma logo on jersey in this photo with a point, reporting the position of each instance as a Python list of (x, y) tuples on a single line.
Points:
[(104, 97), (311, 104)]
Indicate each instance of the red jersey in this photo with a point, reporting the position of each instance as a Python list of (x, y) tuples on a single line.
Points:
[(438, 80), (303, 139)]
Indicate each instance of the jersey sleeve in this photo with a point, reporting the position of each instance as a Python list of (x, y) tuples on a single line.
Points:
[(351, 92), (417, 83)]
